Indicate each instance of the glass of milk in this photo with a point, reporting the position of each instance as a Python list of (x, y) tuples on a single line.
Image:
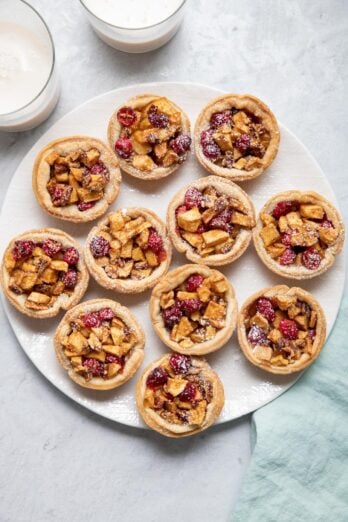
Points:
[(28, 83), (135, 26)]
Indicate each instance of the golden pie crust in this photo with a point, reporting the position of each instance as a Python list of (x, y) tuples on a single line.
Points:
[(201, 332), (243, 220), (253, 166), (35, 305), (306, 231), (290, 354), (132, 358), (178, 120), (139, 279), (101, 199), (198, 416)]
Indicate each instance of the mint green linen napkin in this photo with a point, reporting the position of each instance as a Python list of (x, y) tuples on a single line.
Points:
[(299, 465)]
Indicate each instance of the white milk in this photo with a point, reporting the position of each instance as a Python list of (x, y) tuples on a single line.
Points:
[(132, 13), (25, 65)]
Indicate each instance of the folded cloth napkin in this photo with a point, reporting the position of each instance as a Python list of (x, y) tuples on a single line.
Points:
[(299, 465)]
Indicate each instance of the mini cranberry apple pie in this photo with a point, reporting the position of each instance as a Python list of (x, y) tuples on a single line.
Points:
[(179, 395), (128, 251), (282, 330), (236, 136), (210, 221), (76, 178), (194, 310), (150, 135), (298, 234), (100, 343), (43, 271)]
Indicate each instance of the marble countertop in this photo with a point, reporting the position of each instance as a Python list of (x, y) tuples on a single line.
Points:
[(61, 462)]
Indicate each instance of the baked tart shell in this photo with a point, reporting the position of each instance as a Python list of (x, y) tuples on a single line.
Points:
[(253, 105), (132, 364)]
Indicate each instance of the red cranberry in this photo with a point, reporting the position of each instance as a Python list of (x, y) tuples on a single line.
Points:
[(312, 333), (242, 143), (190, 305), (211, 151), (286, 239), (189, 392), (288, 257), (220, 118), (265, 308), (60, 194), (326, 223), (91, 320), (99, 246), (70, 278), (207, 137), (161, 256), (106, 314), (126, 116), (193, 198), (114, 359), (282, 208), (222, 220), (157, 118), (155, 242), (51, 247), (288, 328), (95, 367), (257, 336), (71, 256), (22, 249), (98, 168), (171, 316), (201, 228), (157, 377), (85, 205), (311, 258), (193, 282), (124, 147), (180, 363), (181, 144), (181, 209)]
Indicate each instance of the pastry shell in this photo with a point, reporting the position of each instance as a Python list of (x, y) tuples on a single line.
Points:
[(305, 359), (114, 129), (171, 281), (300, 271), (157, 423), (243, 239), (41, 176), (63, 301), (253, 105), (132, 363), (129, 286)]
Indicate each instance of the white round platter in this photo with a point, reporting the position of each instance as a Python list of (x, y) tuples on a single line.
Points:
[(246, 387)]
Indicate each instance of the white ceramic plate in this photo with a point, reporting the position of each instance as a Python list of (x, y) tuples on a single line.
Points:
[(246, 387)]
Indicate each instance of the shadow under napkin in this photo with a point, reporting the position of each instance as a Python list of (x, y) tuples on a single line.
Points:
[(299, 469)]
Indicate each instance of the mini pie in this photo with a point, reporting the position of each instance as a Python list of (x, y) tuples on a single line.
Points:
[(236, 136), (100, 343), (210, 221), (193, 309), (76, 178), (128, 250), (43, 271), (282, 330), (179, 395), (150, 135), (298, 234)]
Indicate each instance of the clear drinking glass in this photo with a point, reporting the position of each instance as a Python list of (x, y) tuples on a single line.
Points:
[(20, 18), (139, 39)]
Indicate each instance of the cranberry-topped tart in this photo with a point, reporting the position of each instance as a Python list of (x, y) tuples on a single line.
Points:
[(43, 271), (179, 395), (210, 221), (281, 329), (193, 309), (298, 234), (236, 136), (150, 135), (128, 250), (76, 178), (100, 344)]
